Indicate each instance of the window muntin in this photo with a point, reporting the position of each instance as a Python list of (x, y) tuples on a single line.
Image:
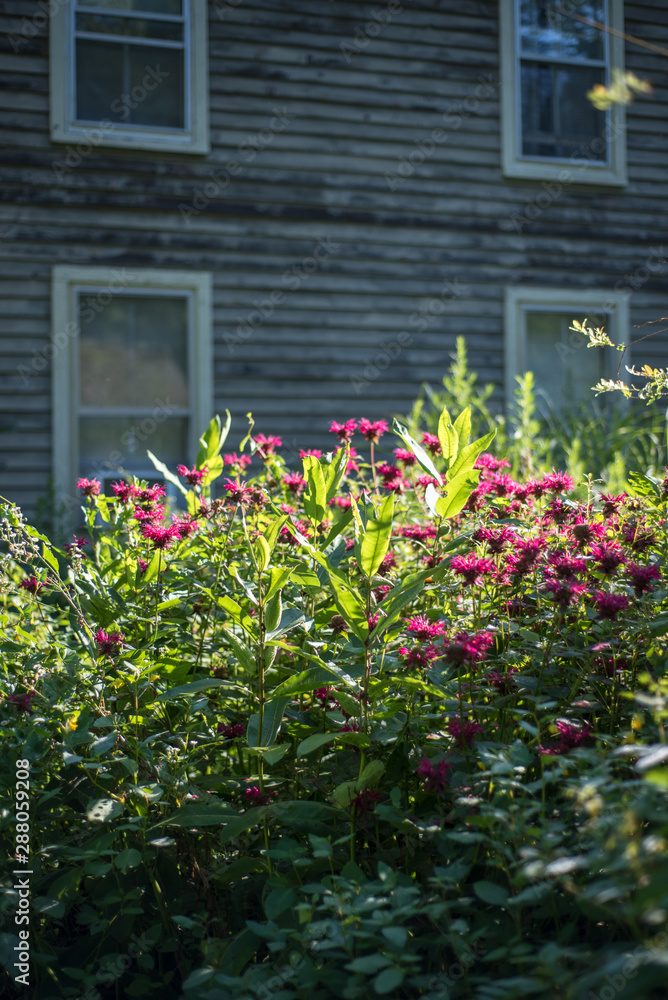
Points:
[(551, 56), (130, 73), (560, 60)]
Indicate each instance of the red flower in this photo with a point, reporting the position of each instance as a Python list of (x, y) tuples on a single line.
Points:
[(557, 482), (294, 482), (22, 702), (435, 778), (89, 487), (570, 737), (396, 485), (463, 731), (186, 526), (344, 432), (364, 801), (372, 431), (431, 443), (491, 464), (423, 628), (526, 552), (162, 537), (149, 494), (608, 557), (124, 491), (387, 471), (610, 503), (465, 648), (564, 592), (471, 568), (585, 532), (404, 456), (418, 656), (502, 682), (642, 577), (108, 644), (77, 544), (496, 540), (193, 476), (237, 463), (418, 532), (258, 798), (609, 605), (638, 537), (266, 446), (231, 730), (565, 567), (501, 485), (239, 493), (315, 452), (32, 585)]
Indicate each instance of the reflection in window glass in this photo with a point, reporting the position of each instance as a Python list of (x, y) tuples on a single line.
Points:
[(171, 7), (545, 31), (115, 443), (134, 351), (564, 367)]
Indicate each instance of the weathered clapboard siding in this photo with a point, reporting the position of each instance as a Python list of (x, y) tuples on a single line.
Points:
[(323, 177)]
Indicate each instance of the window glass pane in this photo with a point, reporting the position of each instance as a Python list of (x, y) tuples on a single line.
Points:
[(133, 352), (564, 367), (114, 443), (173, 7), (130, 84), (137, 27), (557, 118), (546, 32)]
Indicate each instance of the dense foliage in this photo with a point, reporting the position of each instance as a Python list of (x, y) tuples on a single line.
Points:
[(367, 729)]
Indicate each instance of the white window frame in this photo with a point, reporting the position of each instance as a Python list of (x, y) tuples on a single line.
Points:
[(67, 283), (520, 300), (194, 138), (576, 169)]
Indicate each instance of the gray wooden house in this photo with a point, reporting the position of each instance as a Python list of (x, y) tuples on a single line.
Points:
[(293, 207)]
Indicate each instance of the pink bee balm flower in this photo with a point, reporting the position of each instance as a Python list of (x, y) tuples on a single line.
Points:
[(364, 801), (231, 730), (642, 577), (465, 648), (564, 592), (162, 537), (489, 463), (471, 568), (257, 798), (77, 544), (314, 452), (431, 443), (557, 482), (503, 683), (294, 482), (404, 456), (436, 778), (388, 471), (418, 656), (396, 485), (526, 551), (565, 567), (32, 585), (611, 503), (124, 491), (186, 526), (193, 476), (571, 736), (344, 432), (236, 463), (238, 493), (584, 532), (372, 431), (418, 532), (501, 485), (150, 494), (607, 557), (427, 481), (22, 702), (609, 605), (463, 731), (496, 539), (89, 487), (638, 537), (423, 628), (108, 644), (266, 445)]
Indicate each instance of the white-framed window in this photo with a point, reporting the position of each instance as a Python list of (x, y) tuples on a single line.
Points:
[(552, 53), (132, 371), (538, 339), (130, 73)]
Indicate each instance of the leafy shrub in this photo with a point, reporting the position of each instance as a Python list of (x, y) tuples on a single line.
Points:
[(371, 729)]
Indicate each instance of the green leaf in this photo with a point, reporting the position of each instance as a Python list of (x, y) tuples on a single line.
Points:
[(214, 468), (351, 607), (463, 428), (278, 901), (194, 687), (129, 858), (272, 530), (236, 613), (376, 540), (243, 653), (448, 438), (340, 526), (335, 471), (459, 490), (98, 747), (278, 577), (153, 568), (397, 936), (490, 892), (212, 441), (272, 718), (195, 814), (167, 474), (48, 556), (262, 553), (419, 452), (315, 499), (388, 980), (290, 618), (307, 680), (318, 740), (273, 612), (403, 594), (368, 964), (240, 824), (466, 458)]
